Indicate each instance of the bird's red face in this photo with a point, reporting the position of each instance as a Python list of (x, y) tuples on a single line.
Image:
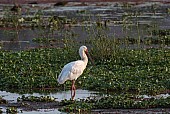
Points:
[(87, 53)]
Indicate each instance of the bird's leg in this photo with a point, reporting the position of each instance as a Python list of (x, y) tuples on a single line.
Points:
[(73, 89)]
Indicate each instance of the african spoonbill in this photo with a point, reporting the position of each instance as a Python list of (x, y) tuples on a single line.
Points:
[(73, 70)]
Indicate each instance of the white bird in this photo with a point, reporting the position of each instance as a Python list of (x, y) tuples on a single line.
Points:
[(73, 70)]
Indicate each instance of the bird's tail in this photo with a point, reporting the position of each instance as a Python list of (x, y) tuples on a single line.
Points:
[(62, 78)]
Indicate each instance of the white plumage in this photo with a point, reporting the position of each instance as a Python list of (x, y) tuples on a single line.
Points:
[(73, 70)]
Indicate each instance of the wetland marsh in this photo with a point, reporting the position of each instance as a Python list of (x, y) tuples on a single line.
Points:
[(129, 42)]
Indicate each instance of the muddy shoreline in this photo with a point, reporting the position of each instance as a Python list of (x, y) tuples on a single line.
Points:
[(26, 104), (55, 1), (86, 15), (37, 106)]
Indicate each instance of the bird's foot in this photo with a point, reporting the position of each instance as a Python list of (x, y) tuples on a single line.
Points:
[(72, 98)]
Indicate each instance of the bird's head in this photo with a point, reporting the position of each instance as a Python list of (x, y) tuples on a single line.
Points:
[(85, 50)]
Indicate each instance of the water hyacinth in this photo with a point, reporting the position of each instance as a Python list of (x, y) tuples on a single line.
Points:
[(122, 101), (141, 71), (125, 66), (36, 99)]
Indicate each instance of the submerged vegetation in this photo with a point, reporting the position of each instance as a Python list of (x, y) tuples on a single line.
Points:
[(125, 67)]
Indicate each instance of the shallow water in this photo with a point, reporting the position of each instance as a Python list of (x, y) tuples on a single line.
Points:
[(156, 96), (12, 98), (40, 111), (80, 94), (114, 12)]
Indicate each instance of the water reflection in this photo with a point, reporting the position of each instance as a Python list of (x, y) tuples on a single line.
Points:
[(12, 98), (39, 111), (121, 21), (80, 94)]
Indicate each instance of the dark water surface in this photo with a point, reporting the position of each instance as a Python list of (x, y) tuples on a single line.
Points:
[(87, 19)]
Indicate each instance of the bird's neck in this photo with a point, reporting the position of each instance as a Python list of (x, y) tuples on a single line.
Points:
[(84, 58)]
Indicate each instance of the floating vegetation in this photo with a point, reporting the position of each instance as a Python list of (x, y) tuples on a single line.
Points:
[(76, 106), (161, 32), (48, 22), (157, 40), (141, 71), (122, 101), (43, 40), (3, 101), (11, 110), (36, 99)]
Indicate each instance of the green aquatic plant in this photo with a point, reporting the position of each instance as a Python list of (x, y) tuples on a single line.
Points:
[(43, 40), (3, 101), (121, 101), (81, 106), (12, 19), (36, 99), (11, 110), (141, 71), (32, 69), (133, 70)]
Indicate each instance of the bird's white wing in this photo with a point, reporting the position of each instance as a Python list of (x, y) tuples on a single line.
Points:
[(71, 71), (77, 69)]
